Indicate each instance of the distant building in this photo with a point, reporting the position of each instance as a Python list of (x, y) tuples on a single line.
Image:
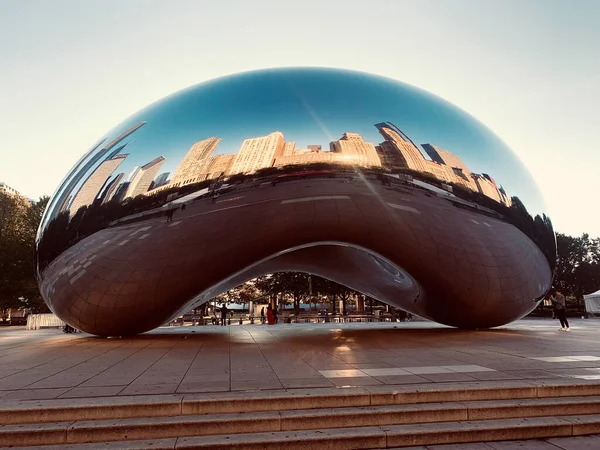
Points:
[(258, 153), (14, 193), (399, 150), (91, 188), (389, 155), (504, 198), (111, 187), (193, 162), (354, 149), (461, 174), (120, 192), (487, 186), (140, 182), (403, 144), (84, 165), (289, 148), (314, 148), (311, 158), (162, 179), (9, 190), (219, 165)]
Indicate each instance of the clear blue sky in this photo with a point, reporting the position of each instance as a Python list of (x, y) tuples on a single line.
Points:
[(529, 70)]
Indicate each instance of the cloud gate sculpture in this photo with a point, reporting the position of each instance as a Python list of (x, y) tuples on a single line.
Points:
[(356, 178)]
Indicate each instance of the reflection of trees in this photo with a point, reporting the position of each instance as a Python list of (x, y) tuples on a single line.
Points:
[(539, 228), (296, 288)]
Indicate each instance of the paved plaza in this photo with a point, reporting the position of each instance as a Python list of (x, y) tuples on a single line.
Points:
[(47, 364), (268, 360)]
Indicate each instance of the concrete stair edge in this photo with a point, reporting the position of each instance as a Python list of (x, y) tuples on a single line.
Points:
[(158, 428), (160, 405), (371, 437)]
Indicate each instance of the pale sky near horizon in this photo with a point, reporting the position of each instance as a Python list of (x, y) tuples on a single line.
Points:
[(528, 69)]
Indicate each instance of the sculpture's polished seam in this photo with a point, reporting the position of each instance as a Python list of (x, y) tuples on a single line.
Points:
[(359, 179)]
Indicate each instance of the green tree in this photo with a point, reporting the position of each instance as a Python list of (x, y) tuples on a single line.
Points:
[(578, 265), (293, 283), (18, 227)]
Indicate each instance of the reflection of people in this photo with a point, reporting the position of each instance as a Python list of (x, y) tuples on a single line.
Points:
[(223, 315), (560, 310), (183, 206)]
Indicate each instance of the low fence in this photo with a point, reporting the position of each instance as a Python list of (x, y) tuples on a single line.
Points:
[(39, 321)]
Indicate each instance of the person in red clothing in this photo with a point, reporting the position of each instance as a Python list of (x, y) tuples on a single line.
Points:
[(270, 316)]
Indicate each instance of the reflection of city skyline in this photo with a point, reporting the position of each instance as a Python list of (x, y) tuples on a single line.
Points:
[(396, 151)]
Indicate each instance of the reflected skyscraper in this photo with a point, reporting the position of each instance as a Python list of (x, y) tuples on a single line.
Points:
[(120, 192), (409, 152), (140, 182), (106, 196), (192, 164), (161, 179), (90, 189), (355, 150), (258, 153), (218, 165), (60, 202)]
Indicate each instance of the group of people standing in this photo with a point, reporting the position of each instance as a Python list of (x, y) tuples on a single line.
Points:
[(272, 315)]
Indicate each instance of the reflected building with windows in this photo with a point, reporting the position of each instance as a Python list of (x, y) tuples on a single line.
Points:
[(89, 190), (195, 160), (453, 230), (258, 153), (142, 178)]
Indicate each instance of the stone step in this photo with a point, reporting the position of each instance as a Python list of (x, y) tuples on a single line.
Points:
[(63, 410), (230, 425), (370, 437)]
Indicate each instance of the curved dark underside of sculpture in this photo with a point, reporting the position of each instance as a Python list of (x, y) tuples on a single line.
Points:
[(306, 170)]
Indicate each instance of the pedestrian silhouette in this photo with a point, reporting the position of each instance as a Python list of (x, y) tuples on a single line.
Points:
[(223, 315), (560, 309), (169, 215)]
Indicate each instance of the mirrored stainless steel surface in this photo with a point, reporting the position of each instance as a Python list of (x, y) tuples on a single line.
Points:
[(360, 179)]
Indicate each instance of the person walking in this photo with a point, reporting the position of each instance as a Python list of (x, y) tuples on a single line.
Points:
[(560, 310), (276, 314), (270, 317), (223, 315), (262, 315)]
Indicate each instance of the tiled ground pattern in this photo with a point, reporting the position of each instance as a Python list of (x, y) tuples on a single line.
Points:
[(49, 364)]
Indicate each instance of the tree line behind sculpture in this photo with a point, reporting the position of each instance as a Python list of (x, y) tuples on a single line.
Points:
[(18, 225), (293, 289)]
